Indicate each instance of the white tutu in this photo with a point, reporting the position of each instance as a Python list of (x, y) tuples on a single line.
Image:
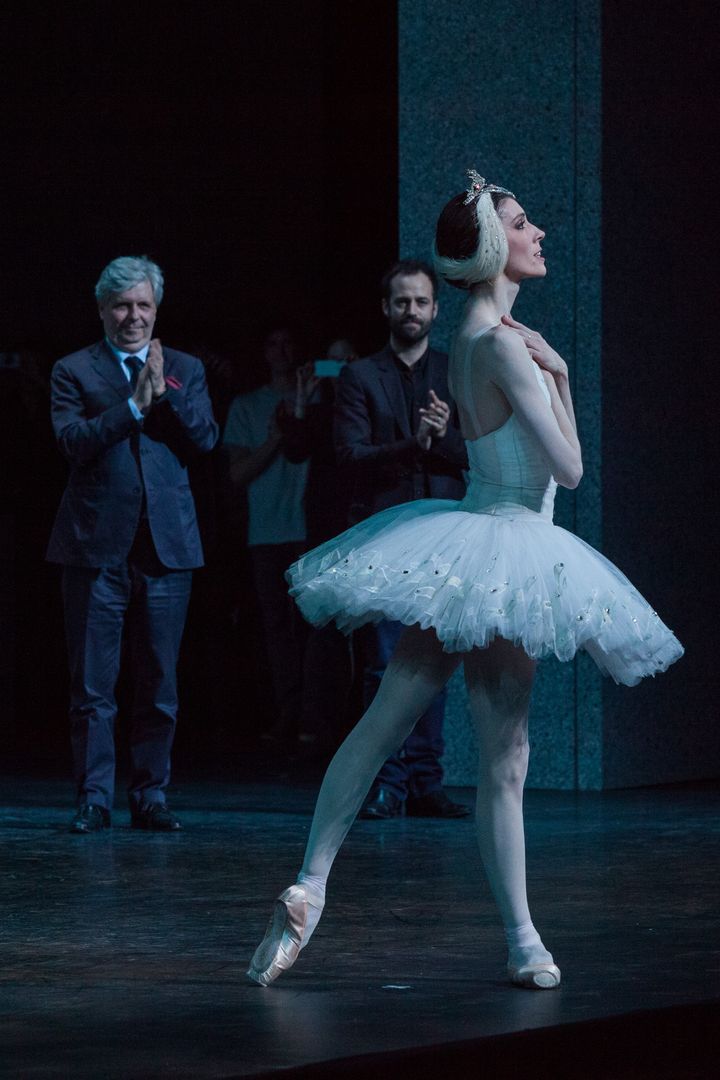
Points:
[(474, 576)]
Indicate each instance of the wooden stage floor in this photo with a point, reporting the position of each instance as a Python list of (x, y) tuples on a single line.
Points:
[(123, 954)]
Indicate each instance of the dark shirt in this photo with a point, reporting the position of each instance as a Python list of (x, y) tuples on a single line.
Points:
[(381, 461), (415, 380), (416, 386)]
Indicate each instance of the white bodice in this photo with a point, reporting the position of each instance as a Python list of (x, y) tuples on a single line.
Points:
[(508, 471)]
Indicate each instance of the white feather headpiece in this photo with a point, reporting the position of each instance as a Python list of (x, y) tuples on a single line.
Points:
[(491, 254)]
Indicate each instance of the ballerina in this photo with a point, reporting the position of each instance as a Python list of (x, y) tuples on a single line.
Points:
[(488, 582)]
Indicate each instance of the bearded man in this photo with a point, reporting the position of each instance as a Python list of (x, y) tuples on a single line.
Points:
[(397, 437)]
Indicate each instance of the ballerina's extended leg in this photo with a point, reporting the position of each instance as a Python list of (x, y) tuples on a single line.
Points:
[(499, 680), (417, 672)]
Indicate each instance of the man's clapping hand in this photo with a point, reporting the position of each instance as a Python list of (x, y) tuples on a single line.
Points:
[(156, 363), (433, 421), (151, 379)]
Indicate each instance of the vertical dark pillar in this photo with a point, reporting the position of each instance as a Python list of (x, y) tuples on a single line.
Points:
[(660, 242)]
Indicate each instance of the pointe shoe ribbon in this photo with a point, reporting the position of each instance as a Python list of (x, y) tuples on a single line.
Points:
[(535, 976), (279, 949)]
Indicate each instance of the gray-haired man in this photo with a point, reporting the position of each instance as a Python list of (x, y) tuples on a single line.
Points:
[(128, 415)]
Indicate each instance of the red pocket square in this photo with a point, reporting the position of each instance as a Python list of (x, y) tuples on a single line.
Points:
[(173, 383)]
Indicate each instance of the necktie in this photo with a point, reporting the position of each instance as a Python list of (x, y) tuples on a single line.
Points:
[(135, 365)]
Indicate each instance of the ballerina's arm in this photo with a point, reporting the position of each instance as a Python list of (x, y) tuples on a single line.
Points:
[(510, 369), (553, 368)]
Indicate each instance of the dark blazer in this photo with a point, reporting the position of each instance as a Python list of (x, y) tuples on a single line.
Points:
[(376, 447), (114, 458)]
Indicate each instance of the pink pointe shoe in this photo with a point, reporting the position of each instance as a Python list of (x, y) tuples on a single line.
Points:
[(278, 950), (535, 976)]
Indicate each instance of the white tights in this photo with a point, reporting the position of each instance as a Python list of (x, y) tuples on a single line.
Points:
[(499, 681)]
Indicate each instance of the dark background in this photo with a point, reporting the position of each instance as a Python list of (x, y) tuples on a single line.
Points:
[(661, 238), (251, 149)]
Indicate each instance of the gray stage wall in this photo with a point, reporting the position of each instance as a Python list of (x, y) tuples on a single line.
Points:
[(513, 88)]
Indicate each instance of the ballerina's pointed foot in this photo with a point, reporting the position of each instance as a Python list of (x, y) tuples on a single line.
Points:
[(278, 950), (542, 976)]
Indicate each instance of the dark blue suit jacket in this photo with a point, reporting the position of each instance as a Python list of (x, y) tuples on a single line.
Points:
[(114, 458), (376, 447)]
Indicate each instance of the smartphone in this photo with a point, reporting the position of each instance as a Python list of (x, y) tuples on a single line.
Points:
[(328, 369)]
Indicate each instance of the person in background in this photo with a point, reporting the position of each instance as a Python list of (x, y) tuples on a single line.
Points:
[(277, 532), (307, 431), (129, 414), (342, 350), (397, 439)]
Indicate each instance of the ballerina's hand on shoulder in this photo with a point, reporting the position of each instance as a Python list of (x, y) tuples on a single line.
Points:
[(543, 354)]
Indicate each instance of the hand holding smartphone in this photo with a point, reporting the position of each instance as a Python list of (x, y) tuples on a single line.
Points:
[(328, 369)]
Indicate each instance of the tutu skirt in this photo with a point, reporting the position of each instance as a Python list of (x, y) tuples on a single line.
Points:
[(472, 577)]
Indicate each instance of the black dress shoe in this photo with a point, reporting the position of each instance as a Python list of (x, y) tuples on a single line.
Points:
[(90, 818), (435, 804), (157, 816), (381, 803)]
